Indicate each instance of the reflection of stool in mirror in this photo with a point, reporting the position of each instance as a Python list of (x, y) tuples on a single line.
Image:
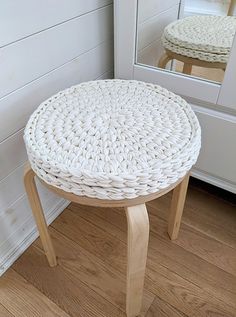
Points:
[(203, 41), (188, 62)]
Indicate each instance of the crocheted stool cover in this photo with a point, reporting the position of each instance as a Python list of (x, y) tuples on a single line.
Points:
[(112, 139), (208, 38)]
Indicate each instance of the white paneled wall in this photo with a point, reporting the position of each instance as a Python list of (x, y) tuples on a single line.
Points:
[(153, 17), (46, 46), (206, 7), (26, 17)]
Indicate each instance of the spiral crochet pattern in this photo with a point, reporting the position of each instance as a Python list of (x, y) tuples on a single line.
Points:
[(207, 38), (112, 139)]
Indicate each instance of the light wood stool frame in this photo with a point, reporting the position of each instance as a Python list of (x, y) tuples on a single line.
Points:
[(189, 62), (138, 228)]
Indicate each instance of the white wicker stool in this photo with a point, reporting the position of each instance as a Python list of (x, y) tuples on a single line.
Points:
[(203, 41), (113, 143)]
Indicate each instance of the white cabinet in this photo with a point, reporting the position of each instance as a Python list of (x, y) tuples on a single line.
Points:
[(217, 160)]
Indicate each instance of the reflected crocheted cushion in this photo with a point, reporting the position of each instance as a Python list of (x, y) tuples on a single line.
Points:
[(207, 38)]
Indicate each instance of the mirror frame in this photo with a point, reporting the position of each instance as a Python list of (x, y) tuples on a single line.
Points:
[(125, 26)]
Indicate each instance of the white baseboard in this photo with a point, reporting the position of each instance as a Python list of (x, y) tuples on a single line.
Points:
[(30, 235), (208, 178)]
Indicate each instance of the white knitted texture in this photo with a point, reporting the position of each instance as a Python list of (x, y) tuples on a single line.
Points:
[(112, 139), (203, 56), (207, 38)]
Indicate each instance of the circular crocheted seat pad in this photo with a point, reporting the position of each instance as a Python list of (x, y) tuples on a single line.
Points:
[(207, 36), (201, 55), (112, 139)]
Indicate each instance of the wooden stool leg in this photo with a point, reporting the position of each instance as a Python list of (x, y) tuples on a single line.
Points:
[(187, 69), (163, 61), (177, 206), (37, 210), (138, 234)]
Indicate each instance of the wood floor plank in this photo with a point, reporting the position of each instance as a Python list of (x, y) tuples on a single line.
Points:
[(93, 272), (105, 218), (21, 299), (4, 312), (213, 74), (92, 238), (208, 249), (167, 279), (183, 295), (192, 277), (202, 244), (190, 266), (212, 216), (159, 308), (204, 212), (68, 292)]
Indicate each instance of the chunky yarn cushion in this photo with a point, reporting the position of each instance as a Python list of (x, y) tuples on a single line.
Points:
[(112, 139), (207, 38)]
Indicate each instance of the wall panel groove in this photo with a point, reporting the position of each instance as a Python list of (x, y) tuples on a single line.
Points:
[(38, 16), (33, 57), (16, 107), (72, 45)]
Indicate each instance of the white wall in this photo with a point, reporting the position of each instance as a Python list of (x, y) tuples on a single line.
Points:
[(45, 46), (153, 17), (208, 7)]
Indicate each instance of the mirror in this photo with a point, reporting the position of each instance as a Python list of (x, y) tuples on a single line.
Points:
[(191, 37)]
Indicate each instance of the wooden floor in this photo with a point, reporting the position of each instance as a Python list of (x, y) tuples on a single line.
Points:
[(193, 276), (211, 74)]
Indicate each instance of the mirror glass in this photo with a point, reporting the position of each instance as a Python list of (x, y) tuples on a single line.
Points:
[(191, 37)]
